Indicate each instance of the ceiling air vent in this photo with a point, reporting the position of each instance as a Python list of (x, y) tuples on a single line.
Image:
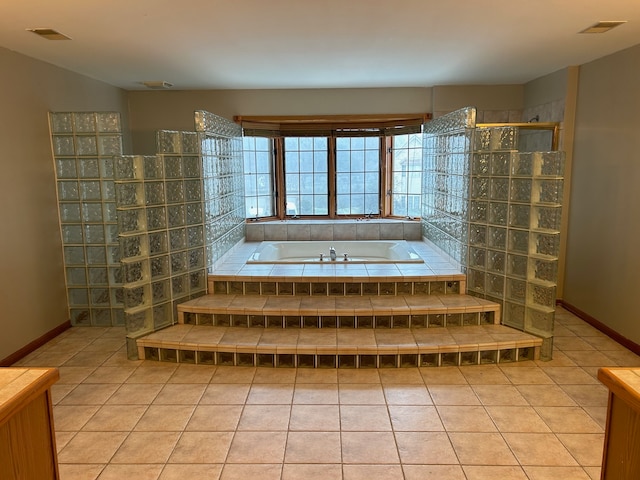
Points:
[(157, 84), (602, 27), (48, 33)]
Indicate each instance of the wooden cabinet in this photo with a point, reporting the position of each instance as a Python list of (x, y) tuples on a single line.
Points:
[(621, 457), (27, 441)]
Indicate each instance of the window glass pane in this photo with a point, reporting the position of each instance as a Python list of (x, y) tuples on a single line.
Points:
[(258, 177), (343, 143), (406, 171), (291, 161), (306, 162), (372, 159), (371, 203), (306, 178), (357, 160), (306, 144), (342, 161), (320, 163), (320, 185), (357, 177), (263, 162), (343, 183), (306, 205), (291, 207), (372, 143), (292, 183), (357, 143), (415, 182), (372, 180), (250, 185), (320, 205), (344, 205), (357, 182), (291, 144)]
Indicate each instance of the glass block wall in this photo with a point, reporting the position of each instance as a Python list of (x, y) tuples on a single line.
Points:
[(447, 147), (510, 253), (178, 212), (84, 144), (223, 176), (160, 221), (515, 232)]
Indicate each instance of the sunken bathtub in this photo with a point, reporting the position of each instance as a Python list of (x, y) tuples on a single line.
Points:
[(366, 251)]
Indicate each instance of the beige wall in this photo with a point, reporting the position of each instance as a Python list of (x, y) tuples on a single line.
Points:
[(173, 110), (603, 253), (494, 103), (546, 90), (552, 98), (32, 292)]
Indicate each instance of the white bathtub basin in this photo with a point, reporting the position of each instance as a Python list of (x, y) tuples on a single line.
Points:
[(366, 251)]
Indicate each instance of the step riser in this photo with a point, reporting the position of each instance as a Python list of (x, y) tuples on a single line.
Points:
[(410, 360), (335, 288), (318, 321)]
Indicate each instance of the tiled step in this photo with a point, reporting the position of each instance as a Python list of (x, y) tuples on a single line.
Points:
[(398, 311), (347, 282), (341, 348)]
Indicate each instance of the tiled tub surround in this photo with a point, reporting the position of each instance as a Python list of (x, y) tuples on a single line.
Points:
[(314, 251), (435, 267), (355, 229), (335, 315)]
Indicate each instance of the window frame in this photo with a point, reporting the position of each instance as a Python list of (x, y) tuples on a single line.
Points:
[(384, 127)]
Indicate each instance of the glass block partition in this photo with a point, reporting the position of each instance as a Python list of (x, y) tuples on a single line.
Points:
[(84, 144), (510, 253), (447, 147), (161, 229), (223, 176), (178, 212)]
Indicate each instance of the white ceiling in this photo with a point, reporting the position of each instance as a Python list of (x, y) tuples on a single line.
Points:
[(256, 44)]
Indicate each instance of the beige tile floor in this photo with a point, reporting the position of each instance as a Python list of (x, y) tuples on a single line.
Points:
[(138, 420)]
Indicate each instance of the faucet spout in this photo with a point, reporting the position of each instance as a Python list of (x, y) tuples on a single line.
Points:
[(332, 253)]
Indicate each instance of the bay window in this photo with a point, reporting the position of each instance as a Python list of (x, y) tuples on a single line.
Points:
[(328, 167)]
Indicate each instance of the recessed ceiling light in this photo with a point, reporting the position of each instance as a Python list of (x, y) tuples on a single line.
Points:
[(48, 33), (157, 84), (602, 27)]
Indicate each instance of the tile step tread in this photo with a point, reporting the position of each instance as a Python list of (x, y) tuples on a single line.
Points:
[(340, 340), (316, 276), (338, 305)]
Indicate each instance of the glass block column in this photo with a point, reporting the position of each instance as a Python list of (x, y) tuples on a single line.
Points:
[(491, 212), (447, 147), (222, 165), (84, 144), (516, 202), (160, 221), (178, 211), (506, 237)]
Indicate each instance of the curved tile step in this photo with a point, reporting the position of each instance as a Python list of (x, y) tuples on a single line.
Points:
[(367, 311), (345, 348)]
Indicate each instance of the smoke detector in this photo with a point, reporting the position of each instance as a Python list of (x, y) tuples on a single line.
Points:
[(157, 84), (602, 27), (48, 33)]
